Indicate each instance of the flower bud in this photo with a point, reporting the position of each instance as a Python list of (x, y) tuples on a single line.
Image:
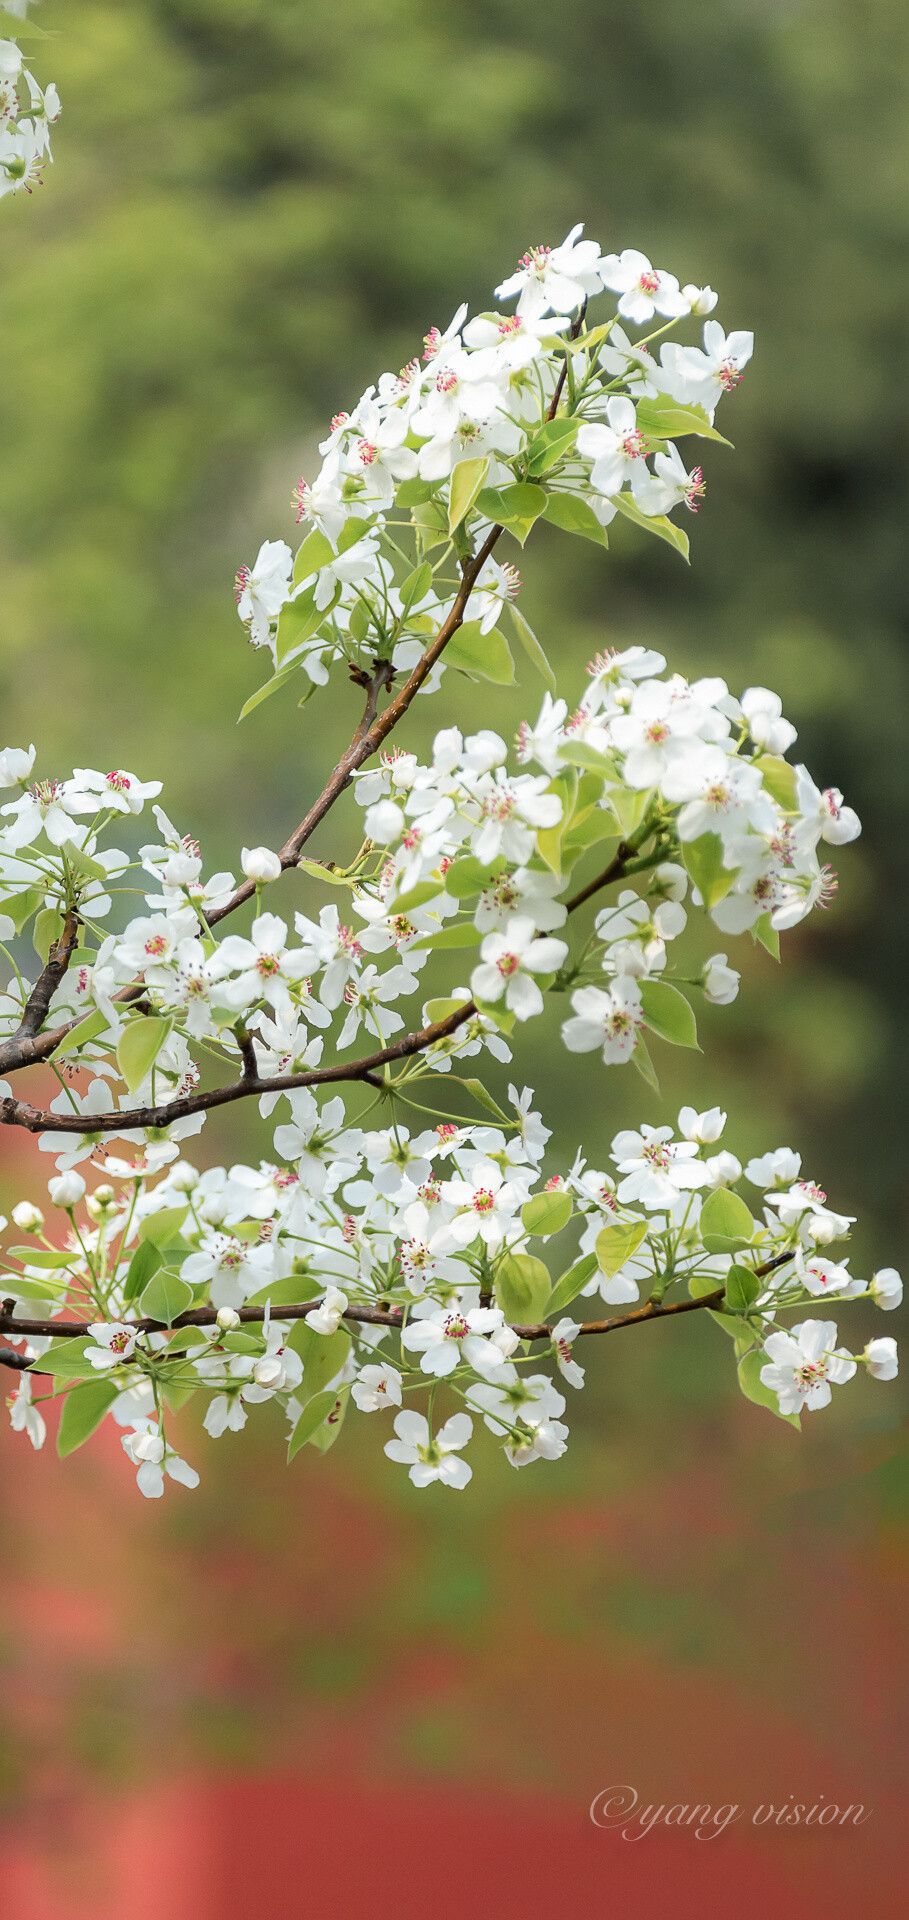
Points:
[(269, 1372), (886, 1288), (228, 1318), (28, 1217), (67, 1189), (720, 983), (260, 864), (105, 1196)]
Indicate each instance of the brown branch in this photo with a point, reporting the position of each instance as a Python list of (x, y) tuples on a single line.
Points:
[(363, 1315), (614, 871), (58, 959)]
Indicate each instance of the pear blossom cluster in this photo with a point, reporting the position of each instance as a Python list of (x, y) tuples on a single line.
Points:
[(27, 113), (417, 1296), (391, 1255), (502, 418)]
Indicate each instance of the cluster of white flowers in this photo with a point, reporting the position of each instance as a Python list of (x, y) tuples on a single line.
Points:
[(506, 417), (365, 1263), (27, 112), (412, 1253)]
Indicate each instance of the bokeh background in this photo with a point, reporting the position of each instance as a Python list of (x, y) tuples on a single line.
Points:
[(316, 1686)]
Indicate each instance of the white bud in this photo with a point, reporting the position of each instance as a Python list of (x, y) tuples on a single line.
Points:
[(105, 1196), (260, 864), (28, 1217), (269, 1372), (228, 1318), (701, 299), (720, 983), (886, 1288), (880, 1357), (67, 1189)]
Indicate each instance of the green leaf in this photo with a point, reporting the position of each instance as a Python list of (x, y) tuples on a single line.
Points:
[(292, 1291), (742, 1289), (323, 1355), (45, 1256), (13, 1283), (516, 508), (165, 1297), (466, 878), (779, 778), (145, 1262), (641, 1059), (316, 1410), (522, 1288), (299, 620), (486, 655), (82, 862), (574, 515), (326, 1434), (417, 897), (163, 1227), (318, 872), (481, 1093), (415, 587), (765, 933), (704, 861), (86, 1030), (315, 552), (554, 440), (139, 1046), (437, 1010), (616, 1244), (652, 523), (754, 1389), (463, 934), (19, 907), (726, 1224), (415, 493), (532, 648), (569, 1284), (47, 928), (83, 1411), (547, 1213), (274, 685), (68, 1360), (466, 481), (668, 1013), (577, 754), (663, 418)]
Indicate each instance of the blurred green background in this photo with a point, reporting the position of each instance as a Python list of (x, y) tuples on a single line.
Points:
[(254, 209)]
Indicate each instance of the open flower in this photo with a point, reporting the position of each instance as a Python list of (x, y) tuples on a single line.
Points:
[(114, 1343), (449, 1336), (508, 961), (432, 1458), (803, 1363)]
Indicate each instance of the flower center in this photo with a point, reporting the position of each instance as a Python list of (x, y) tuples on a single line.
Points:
[(508, 965), (728, 375), (456, 1327), (483, 1201), (649, 283)]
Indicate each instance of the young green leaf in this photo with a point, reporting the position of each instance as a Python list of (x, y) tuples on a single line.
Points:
[(725, 1224), (522, 1288), (466, 481), (532, 648), (574, 515), (616, 1244), (316, 1410), (516, 508), (82, 1413), (145, 1262), (162, 1227), (754, 1389), (550, 444), (662, 418), (704, 861), (668, 1013), (652, 523), (569, 1285), (165, 1297), (547, 1213), (486, 655), (139, 1046)]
